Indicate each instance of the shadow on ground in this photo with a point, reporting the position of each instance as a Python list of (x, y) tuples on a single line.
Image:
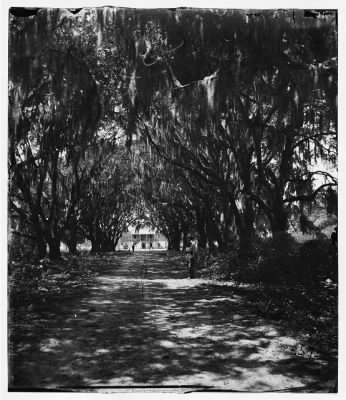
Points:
[(141, 322)]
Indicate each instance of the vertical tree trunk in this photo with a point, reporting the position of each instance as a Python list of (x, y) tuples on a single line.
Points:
[(72, 245), (40, 238), (174, 240), (95, 246), (279, 219), (184, 234), (54, 248), (107, 244), (101, 242), (70, 238), (72, 235), (41, 247), (214, 234), (202, 239), (246, 235), (185, 237), (245, 226)]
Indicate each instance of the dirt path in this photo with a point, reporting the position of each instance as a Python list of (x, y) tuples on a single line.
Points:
[(142, 323)]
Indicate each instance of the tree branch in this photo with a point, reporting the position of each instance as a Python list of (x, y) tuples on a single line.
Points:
[(310, 174), (310, 196), (307, 138)]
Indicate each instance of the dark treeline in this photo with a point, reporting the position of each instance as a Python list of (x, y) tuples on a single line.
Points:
[(210, 121)]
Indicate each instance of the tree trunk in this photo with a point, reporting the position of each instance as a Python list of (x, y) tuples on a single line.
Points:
[(70, 238), (95, 246), (174, 240), (41, 247), (185, 237), (70, 235), (214, 234), (41, 244), (245, 226), (184, 234), (54, 248), (107, 244), (279, 219), (202, 239), (72, 245), (246, 235), (101, 242)]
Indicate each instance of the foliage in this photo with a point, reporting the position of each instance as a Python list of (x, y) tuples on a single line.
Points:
[(54, 112), (106, 207), (56, 90), (221, 123), (295, 284), (251, 116), (236, 112), (31, 284)]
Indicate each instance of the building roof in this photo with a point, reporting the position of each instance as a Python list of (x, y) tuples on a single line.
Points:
[(145, 230)]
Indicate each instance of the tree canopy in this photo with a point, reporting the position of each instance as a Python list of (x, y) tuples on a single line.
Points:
[(210, 120)]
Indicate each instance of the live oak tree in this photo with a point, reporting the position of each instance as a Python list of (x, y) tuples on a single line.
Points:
[(236, 106), (289, 111), (107, 205), (53, 115), (243, 102), (54, 112), (170, 208), (60, 85), (179, 204)]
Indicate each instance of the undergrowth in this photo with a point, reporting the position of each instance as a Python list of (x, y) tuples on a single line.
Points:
[(296, 284)]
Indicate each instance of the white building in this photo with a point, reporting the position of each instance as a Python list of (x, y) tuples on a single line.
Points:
[(143, 239)]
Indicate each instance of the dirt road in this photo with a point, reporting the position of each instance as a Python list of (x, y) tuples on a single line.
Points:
[(141, 322)]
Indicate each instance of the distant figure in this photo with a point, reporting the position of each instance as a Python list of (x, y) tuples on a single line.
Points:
[(334, 237), (191, 257), (143, 245), (133, 247), (151, 246)]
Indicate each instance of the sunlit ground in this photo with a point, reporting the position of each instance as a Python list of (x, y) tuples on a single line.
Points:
[(143, 323)]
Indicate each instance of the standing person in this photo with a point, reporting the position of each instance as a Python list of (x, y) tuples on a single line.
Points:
[(151, 245), (133, 247), (192, 257)]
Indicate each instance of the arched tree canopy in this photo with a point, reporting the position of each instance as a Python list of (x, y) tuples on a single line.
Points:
[(221, 116)]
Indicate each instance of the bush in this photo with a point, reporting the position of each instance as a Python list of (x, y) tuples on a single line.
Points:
[(275, 262), (294, 283), (213, 267)]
